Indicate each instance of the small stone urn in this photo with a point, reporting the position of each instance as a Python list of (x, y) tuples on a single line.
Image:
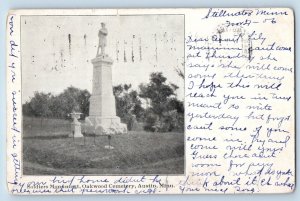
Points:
[(76, 125)]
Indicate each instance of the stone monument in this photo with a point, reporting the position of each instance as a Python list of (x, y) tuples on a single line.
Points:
[(102, 119), (75, 125)]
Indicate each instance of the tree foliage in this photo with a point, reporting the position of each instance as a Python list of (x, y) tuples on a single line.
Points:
[(38, 105), (60, 106), (128, 105), (165, 112)]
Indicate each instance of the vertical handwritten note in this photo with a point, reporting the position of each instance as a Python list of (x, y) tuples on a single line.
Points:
[(240, 101), (239, 108), (13, 101)]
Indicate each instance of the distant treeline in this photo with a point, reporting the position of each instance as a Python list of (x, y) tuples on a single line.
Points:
[(154, 104)]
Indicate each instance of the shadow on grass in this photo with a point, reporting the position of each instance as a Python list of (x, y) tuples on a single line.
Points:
[(47, 137), (135, 153)]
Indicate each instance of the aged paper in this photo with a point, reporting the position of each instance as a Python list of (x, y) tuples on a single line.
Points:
[(150, 101)]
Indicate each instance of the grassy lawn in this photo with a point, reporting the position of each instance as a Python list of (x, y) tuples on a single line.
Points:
[(137, 152)]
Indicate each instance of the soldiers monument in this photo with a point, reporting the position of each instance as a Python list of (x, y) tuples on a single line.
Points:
[(102, 119)]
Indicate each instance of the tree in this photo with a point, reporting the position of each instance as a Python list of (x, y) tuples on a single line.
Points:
[(179, 72), (128, 105), (60, 106), (158, 92), (84, 102), (165, 110), (38, 105), (70, 100)]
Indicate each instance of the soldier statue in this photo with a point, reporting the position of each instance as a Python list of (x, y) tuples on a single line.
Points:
[(102, 40)]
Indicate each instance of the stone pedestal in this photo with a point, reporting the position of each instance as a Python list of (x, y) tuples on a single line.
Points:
[(102, 119), (75, 125)]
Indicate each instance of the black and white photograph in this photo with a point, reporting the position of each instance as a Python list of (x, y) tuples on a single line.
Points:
[(102, 95)]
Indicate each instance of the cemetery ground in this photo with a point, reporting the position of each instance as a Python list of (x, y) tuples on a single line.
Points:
[(47, 150)]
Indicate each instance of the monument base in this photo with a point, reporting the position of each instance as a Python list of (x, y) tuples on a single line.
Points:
[(76, 129), (103, 126)]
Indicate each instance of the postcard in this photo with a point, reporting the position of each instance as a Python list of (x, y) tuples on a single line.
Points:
[(150, 101)]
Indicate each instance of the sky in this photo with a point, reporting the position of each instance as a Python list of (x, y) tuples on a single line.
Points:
[(57, 51)]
